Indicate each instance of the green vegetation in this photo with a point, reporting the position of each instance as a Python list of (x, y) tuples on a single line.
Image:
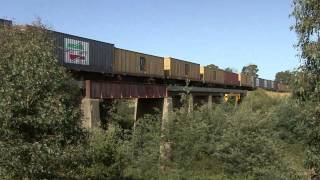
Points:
[(262, 138), (39, 106), (265, 137), (250, 70), (285, 77), (307, 27)]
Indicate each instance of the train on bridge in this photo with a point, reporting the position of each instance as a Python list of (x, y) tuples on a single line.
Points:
[(82, 54), (91, 56)]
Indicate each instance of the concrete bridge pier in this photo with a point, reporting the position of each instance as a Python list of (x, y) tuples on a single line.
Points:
[(165, 145), (91, 113)]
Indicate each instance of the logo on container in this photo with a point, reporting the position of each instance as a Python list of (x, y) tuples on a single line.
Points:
[(76, 52)]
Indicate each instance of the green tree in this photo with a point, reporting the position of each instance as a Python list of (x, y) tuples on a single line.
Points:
[(229, 69), (307, 27), (250, 70), (284, 77), (39, 106), (212, 66)]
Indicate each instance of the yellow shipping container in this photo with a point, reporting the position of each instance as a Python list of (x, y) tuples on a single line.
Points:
[(179, 69), (245, 80), (138, 64), (212, 75)]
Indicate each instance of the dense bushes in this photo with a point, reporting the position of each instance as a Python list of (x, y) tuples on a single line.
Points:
[(259, 139), (234, 142), (39, 106)]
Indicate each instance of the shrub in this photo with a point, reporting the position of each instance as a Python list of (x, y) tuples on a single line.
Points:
[(39, 105)]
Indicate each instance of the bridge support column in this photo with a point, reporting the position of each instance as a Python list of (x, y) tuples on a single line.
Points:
[(91, 113), (135, 114), (210, 101), (165, 146)]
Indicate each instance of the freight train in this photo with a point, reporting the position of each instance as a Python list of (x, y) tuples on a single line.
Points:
[(81, 54), (87, 55)]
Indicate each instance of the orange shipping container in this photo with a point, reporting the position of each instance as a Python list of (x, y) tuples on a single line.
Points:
[(139, 64), (179, 69), (212, 75)]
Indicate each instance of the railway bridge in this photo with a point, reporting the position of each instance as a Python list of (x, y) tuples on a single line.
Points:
[(106, 72), (147, 97)]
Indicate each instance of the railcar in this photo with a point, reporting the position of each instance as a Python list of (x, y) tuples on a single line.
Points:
[(180, 69), (212, 75), (245, 80), (138, 64), (231, 78)]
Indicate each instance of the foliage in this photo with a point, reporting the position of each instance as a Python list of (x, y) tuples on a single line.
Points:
[(285, 77), (307, 27), (39, 105), (145, 149), (118, 112), (250, 70), (241, 142), (212, 66), (228, 69), (105, 156)]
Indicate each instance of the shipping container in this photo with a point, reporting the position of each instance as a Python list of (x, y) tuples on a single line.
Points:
[(245, 80), (137, 64), (257, 84), (261, 83), (82, 54), (179, 69), (212, 75), (231, 78), (269, 84), (253, 81), (4, 22), (265, 83)]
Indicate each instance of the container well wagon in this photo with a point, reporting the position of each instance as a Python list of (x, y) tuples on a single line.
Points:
[(134, 63), (179, 69), (212, 75)]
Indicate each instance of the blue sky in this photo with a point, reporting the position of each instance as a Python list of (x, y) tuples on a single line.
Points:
[(228, 33)]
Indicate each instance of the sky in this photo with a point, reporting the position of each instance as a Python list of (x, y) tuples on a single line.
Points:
[(227, 33)]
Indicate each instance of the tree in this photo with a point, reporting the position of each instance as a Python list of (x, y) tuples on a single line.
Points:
[(229, 69), (307, 27), (39, 106), (250, 70), (284, 77), (212, 66)]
